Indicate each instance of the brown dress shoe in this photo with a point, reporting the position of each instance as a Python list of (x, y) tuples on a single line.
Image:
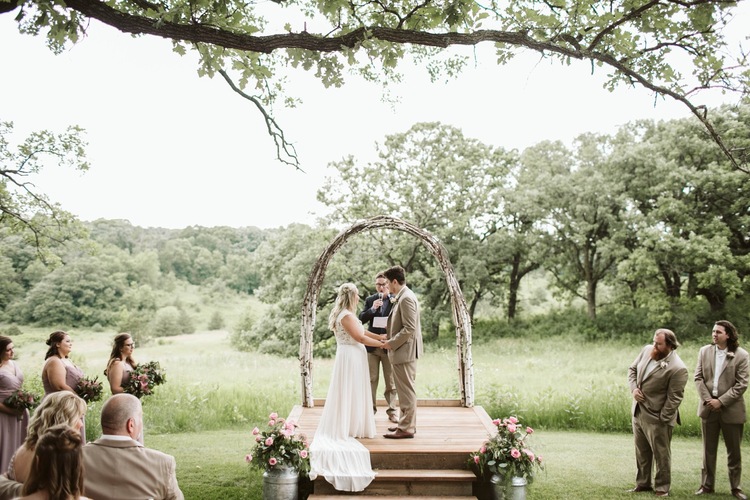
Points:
[(704, 491), (640, 488), (399, 434), (737, 493)]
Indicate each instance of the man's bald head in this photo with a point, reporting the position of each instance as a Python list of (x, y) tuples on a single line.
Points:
[(121, 415)]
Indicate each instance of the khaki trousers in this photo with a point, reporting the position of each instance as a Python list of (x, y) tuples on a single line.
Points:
[(374, 359), (653, 443), (710, 428), (404, 375)]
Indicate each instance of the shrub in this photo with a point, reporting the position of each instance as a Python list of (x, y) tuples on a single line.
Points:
[(216, 322)]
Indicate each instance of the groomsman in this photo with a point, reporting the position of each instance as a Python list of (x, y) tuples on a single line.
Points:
[(404, 333), (377, 307), (721, 379), (657, 380)]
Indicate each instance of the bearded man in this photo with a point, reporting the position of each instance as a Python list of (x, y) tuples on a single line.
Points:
[(657, 380)]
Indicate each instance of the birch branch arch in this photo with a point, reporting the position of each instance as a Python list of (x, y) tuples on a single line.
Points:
[(461, 318)]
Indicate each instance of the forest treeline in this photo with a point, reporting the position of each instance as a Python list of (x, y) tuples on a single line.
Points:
[(649, 226)]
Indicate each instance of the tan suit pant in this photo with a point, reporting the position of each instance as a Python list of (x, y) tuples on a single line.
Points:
[(375, 359), (404, 375), (652, 450), (732, 433)]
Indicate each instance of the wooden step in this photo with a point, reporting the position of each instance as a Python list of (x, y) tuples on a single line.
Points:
[(411, 483), (344, 496)]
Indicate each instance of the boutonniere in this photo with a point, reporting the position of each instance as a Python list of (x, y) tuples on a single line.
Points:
[(393, 300), (730, 354), (663, 364)]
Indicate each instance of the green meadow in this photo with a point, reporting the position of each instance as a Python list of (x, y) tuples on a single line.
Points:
[(574, 393)]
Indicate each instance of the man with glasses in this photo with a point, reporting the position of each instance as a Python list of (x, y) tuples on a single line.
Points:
[(377, 308)]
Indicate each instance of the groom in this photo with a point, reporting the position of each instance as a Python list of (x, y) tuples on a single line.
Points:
[(404, 344)]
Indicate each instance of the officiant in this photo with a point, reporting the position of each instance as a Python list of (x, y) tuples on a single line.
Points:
[(377, 308)]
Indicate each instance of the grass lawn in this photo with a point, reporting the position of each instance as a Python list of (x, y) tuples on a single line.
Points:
[(578, 466)]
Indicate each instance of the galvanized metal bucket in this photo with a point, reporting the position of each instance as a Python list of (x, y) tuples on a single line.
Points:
[(280, 484)]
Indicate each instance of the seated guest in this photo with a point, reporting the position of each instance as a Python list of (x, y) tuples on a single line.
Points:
[(118, 467), (57, 473), (8, 488), (57, 408)]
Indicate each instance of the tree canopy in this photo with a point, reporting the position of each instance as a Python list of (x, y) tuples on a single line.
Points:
[(673, 48)]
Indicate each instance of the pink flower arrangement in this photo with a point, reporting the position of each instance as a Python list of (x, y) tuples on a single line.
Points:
[(21, 401), (279, 445), (506, 453), (144, 378)]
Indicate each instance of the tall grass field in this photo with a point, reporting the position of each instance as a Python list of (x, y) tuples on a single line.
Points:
[(573, 393)]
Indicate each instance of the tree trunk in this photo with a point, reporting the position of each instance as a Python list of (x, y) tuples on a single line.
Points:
[(591, 299), (473, 305), (515, 284)]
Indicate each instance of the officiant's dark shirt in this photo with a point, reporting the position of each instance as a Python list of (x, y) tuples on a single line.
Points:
[(368, 314)]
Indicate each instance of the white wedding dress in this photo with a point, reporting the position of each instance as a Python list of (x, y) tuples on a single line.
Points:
[(347, 414)]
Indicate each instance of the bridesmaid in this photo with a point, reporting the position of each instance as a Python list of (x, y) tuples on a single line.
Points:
[(120, 363), (12, 428), (59, 373)]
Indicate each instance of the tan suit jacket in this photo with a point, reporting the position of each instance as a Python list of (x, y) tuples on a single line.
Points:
[(404, 328), (9, 488), (120, 470), (732, 384), (663, 388)]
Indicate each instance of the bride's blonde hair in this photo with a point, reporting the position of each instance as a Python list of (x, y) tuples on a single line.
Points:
[(345, 300)]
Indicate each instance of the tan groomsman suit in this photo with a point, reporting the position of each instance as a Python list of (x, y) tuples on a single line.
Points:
[(730, 419), (125, 469), (663, 386), (404, 331)]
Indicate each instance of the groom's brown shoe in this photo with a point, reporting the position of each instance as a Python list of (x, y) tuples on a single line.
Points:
[(399, 434)]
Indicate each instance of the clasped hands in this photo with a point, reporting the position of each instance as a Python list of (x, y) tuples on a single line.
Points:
[(383, 341), (715, 404)]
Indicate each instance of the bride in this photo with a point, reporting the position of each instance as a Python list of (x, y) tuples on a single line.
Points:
[(347, 414)]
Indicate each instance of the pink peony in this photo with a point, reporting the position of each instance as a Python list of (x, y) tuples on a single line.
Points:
[(539, 458), (256, 431), (271, 423), (529, 430), (269, 441), (476, 459), (483, 449), (529, 454), (496, 422), (511, 428), (303, 454), (515, 453), (272, 461), (248, 458), (258, 439), (513, 420), (273, 416)]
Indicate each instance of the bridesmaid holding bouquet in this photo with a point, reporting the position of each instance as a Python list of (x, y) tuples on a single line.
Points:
[(59, 373), (13, 421)]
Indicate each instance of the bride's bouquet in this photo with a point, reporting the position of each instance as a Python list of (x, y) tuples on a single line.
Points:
[(89, 389), (22, 400), (144, 378)]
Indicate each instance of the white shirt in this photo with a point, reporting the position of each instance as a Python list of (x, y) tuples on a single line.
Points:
[(719, 359)]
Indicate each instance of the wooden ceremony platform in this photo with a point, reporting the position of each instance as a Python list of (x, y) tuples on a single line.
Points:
[(432, 465)]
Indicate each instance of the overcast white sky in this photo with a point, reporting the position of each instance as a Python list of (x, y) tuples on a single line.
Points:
[(170, 149)]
